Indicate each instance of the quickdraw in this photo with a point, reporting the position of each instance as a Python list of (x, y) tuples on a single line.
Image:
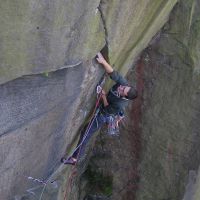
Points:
[(100, 84)]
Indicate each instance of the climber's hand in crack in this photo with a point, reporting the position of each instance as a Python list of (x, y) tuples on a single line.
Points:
[(102, 61), (100, 58)]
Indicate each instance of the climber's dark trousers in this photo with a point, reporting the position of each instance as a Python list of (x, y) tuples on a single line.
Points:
[(97, 123)]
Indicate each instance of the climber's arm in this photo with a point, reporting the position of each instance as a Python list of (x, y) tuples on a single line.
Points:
[(114, 75), (105, 102), (102, 61)]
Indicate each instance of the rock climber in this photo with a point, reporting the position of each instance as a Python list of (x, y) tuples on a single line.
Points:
[(113, 104)]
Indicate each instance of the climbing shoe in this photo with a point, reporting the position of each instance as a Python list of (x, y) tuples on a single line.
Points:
[(68, 161)]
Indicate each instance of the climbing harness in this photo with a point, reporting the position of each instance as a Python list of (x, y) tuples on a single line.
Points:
[(113, 124), (113, 129)]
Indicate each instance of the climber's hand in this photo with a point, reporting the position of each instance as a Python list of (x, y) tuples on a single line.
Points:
[(100, 58), (102, 61), (103, 92)]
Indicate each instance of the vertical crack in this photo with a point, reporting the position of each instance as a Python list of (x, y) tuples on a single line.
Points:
[(103, 21), (105, 50)]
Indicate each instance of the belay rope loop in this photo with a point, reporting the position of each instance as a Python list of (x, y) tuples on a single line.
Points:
[(93, 117)]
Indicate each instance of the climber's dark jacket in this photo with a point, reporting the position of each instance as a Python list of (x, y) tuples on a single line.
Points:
[(117, 104)]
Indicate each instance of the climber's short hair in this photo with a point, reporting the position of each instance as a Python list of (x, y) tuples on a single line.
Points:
[(132, 93)]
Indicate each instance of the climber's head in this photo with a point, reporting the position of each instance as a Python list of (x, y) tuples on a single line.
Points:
[(128, 92)]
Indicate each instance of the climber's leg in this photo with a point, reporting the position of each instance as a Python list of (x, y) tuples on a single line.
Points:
[(96, 124)]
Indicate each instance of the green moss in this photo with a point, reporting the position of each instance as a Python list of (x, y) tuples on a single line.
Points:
[(98, 182)]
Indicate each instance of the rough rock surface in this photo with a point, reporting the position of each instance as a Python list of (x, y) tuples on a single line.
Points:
[(129, 25), (170, 122), (37, 123), (54, 45), (43, 36)]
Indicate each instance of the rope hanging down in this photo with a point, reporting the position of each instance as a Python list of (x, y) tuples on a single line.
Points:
[(93, 117), (95, 112)]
